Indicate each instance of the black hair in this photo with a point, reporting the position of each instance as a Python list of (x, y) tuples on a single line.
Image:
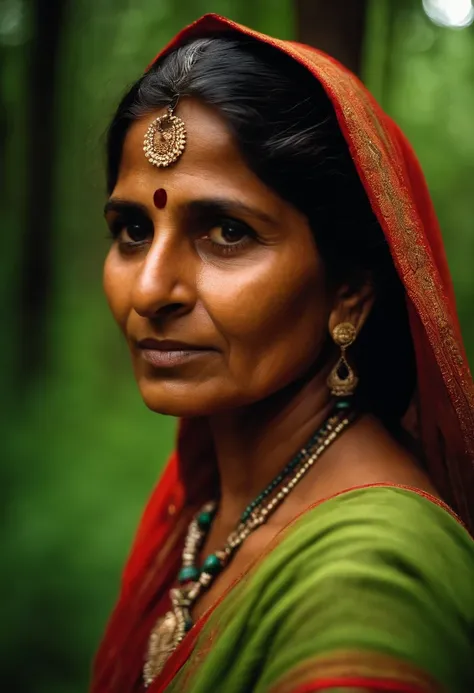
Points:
[(287, 132)]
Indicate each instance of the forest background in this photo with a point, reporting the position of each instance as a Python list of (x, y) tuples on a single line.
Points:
[(80, 453)]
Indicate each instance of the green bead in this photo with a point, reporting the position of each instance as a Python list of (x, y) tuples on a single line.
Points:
[(188, 574), (343, 405), (188, 624), (212, 565), (204, 520)]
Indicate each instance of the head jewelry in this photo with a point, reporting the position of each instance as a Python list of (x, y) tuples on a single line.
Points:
[(165, 138)]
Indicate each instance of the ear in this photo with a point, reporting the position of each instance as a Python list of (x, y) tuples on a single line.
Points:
[(352, 305)]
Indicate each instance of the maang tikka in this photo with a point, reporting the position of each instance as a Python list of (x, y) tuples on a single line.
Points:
[(165, 139), (342, 380)]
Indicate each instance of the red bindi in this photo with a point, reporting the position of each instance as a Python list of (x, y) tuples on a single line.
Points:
[(160, 198)]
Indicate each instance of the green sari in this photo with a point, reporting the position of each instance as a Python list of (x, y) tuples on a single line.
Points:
[(371, 589)]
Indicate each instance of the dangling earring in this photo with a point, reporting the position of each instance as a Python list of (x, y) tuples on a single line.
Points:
[(342, 380)]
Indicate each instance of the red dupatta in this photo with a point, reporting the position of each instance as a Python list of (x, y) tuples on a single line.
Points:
[(443, 409)]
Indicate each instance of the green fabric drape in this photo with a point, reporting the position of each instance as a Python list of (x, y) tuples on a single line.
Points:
[(372, 576)]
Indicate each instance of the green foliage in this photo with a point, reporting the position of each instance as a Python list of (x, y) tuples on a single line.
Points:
[(82, 453)]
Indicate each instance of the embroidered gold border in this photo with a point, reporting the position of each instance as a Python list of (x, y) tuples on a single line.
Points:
[(380, 162), (351, 664)]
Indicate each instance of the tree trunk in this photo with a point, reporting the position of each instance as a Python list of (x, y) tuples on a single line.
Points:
[(335, 26), (37, 251)]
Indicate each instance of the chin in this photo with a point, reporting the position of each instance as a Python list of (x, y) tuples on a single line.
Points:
[(175, 408), (181, 400)]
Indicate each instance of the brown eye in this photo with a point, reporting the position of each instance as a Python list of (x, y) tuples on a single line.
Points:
[(229, 233), (137, 233), (132, 232)]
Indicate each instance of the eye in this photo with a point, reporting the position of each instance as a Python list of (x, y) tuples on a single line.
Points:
[(228, 236), (137, 233), (131, 232)]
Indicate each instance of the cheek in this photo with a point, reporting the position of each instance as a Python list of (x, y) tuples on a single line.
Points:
[(116, 282), (273, 317)]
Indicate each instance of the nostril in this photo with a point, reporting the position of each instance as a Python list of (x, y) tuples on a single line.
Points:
[(170, 309)]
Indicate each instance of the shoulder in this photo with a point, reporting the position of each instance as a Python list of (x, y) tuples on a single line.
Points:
[(380, 569), (382, 519), (389, 509), (377, 542)]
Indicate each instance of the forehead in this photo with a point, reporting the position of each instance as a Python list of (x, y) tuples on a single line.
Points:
[(211, 157)]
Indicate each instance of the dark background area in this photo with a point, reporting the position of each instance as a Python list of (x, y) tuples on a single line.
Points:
[(80, 452)]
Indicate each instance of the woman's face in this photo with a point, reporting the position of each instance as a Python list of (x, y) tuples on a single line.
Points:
[(226, 268)]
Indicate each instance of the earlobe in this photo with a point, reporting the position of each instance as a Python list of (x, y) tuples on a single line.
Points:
[(352, 306)]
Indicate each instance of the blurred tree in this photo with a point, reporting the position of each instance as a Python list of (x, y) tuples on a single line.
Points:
[(336, 28), (37, 244), (80, 452)]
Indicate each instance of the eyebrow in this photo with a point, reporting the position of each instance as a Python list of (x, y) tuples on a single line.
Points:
[(206, 206), (226, 206), (116, 204)]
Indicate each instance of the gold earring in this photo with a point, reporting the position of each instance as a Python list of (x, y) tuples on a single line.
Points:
[(342, 380)]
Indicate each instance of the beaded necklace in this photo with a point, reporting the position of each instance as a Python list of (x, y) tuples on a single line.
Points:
[(170, 629)]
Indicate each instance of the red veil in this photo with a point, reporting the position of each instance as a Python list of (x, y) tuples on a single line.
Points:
[(443, 409)]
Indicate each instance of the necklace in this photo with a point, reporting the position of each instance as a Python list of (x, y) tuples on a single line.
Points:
[(170, 629)]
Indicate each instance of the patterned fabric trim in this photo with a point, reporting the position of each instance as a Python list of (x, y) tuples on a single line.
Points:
[(356, 685), (349, 669), (190, 645)]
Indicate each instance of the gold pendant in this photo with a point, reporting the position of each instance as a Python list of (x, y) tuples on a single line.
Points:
[(163, 641), (165, 140)]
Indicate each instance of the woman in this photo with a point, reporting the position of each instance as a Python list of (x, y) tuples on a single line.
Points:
[(278, 273)]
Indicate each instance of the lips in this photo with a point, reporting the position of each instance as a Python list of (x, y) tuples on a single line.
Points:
[(169, 345), (169, 353)]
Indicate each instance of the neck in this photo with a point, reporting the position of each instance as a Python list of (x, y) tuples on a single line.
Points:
[(254, 444)]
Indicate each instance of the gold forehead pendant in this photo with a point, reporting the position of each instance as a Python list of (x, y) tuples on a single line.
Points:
[(165, 140)]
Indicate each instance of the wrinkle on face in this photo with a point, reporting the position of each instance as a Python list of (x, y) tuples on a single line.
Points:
[(264, 311)]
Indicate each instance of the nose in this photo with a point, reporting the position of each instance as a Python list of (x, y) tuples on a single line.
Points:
[(165, 282)]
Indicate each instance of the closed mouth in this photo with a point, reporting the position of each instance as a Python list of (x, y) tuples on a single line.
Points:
[(170, 345)]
